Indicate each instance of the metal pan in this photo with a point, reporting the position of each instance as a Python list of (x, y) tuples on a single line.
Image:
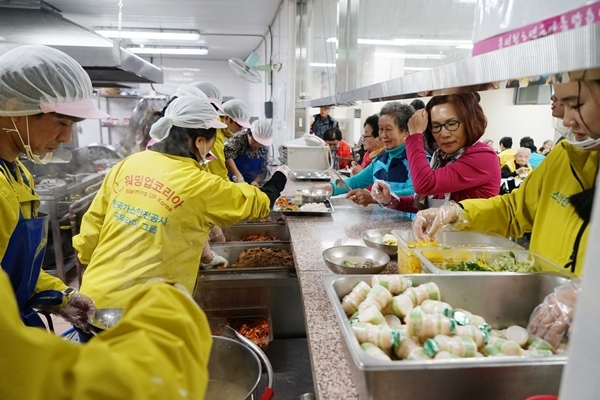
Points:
[(238, 232), (231, 253), (501, 299), (305, 213)]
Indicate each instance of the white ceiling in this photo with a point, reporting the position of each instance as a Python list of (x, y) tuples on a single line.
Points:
[(216, 19)]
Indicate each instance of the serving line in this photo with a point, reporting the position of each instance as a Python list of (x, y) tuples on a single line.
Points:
[(310, 236)]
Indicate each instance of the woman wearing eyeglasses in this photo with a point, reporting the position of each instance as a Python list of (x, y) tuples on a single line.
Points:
[(461, 167), (370, 142)]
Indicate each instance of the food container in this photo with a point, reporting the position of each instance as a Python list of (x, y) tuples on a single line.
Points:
[(410, 263), (334, 256), (374, 238), (238, 232), (274, 217), (298, 212), (231, 253), (502, 299), (432, 258), (244, 320), (315, 196)]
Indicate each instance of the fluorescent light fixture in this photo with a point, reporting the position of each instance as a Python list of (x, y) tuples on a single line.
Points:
[(416, 69), (465, 46), (332, 40), (415, 42), (412, 56), (154, 34), (466, 1), (324, 65), (190, 51)]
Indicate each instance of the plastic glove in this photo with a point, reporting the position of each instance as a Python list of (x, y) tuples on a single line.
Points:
[(284, 169), (216, 260), (216, 235), (381, 192), (552, 319), (78, 311), (238, 179), (429, 221), (322, 186)]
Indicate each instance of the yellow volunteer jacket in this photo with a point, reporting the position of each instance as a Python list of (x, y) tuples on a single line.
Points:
[(541, 206), (159, 350), (217, 167), (151, 218), (506, 156), (15, 195)]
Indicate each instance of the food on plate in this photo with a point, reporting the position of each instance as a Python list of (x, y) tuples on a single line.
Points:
[(416, 325), (260, 237), (390, 240), (258, 257), (285, 204), (314, 207), (354, 263), (501, 263)]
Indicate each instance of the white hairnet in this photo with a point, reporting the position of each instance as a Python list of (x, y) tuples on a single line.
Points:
[(238, 111), (211, 91), (38, 79), (262, 132), (189, 90), (186, 112)]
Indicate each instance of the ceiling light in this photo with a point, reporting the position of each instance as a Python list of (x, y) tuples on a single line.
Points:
[(325, 65), (156, 34), (415, 69), (192, 51), (332, 40), (413, 56), (415, 42), (465, 46), (466, 1)]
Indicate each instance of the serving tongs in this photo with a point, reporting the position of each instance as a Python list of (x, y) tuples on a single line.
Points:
[(339, 182), (231, 333)]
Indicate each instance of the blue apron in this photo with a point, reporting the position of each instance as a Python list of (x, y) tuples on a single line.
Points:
[(23, 259), (249, 167)]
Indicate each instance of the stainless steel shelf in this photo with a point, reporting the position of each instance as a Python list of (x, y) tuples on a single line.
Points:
[(573, 50)]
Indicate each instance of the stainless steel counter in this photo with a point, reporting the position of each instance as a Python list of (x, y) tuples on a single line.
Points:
[(310, 237)]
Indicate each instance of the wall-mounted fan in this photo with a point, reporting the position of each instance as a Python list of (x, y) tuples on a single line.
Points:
[(249, 70)]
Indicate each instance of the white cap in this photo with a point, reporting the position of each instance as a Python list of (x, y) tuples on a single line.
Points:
[(189, 90), (262, 132), (238, 111), (37, 79), (186, 112), (211, 91)]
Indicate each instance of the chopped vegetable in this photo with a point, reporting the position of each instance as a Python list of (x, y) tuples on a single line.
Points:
[(502, 263)]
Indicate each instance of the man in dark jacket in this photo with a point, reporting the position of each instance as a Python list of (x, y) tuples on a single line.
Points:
[(322, 122)]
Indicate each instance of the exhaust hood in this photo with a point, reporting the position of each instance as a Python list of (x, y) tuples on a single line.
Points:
[(106, 63)]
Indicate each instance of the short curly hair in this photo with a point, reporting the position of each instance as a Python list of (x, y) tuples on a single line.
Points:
[(468, 111), (400, 111)]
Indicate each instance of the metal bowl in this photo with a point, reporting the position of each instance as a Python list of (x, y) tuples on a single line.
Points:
[(105, 318), (315, 196), (335, 255), (374, 238)]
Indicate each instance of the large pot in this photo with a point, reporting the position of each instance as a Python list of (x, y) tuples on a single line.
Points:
[(233, 369)]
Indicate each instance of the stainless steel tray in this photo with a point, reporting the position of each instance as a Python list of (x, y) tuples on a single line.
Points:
[(501, 299), (231, 252), (237, 232), (311, 175), (305, 213), (431, 258)]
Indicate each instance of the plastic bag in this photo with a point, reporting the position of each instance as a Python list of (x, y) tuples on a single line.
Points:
[(552, 319)]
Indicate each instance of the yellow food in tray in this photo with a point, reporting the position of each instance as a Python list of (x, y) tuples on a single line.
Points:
[(408, 261)]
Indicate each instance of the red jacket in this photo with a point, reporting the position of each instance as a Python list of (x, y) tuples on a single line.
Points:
[(475, 175), (344, 151)]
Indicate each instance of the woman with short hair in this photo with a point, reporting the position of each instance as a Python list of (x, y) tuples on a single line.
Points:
[(461, 167)]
